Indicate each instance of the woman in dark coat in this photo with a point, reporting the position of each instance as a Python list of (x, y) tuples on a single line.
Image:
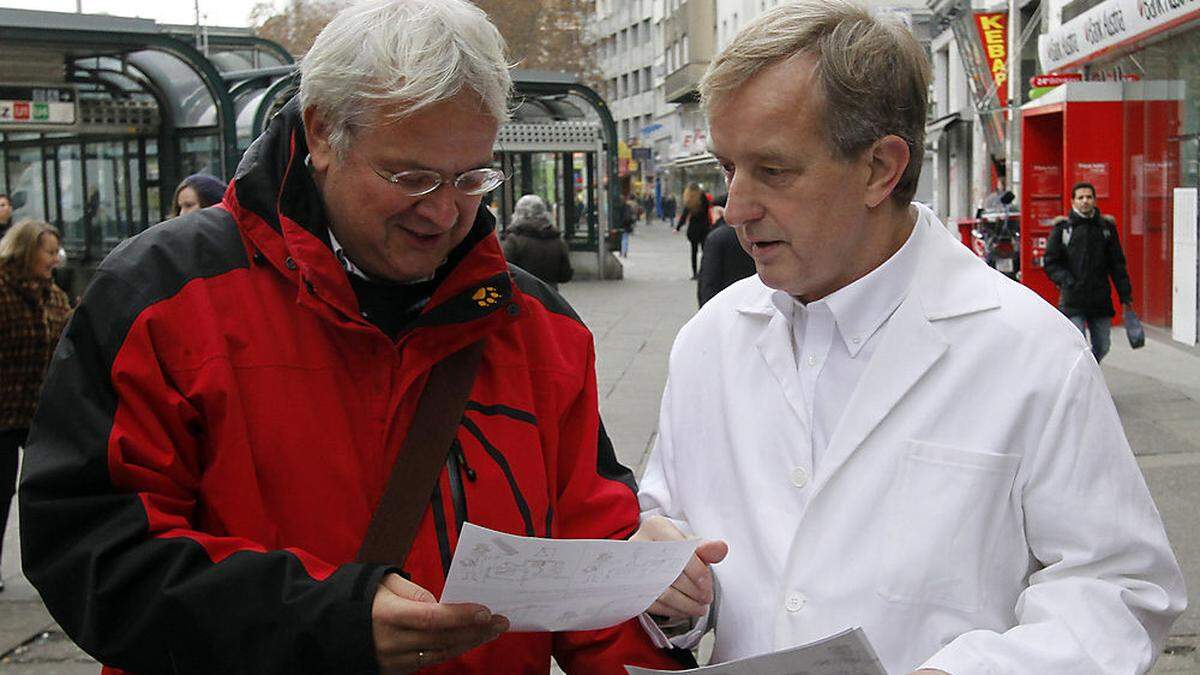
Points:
[(535, 245), (33, 312), (695, 216)]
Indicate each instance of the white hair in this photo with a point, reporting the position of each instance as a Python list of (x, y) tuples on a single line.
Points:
[(530, 206), (402, 55)]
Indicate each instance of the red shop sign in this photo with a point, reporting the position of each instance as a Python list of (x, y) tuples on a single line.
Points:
[(1054, 79)]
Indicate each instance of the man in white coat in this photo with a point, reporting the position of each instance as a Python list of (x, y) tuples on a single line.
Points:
[(885, 431)]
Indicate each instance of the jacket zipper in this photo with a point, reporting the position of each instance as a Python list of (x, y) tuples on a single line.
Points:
[(456, 466)]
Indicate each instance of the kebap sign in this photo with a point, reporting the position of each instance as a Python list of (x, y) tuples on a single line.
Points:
[(1109, 24), (26, 105), (993, 33)]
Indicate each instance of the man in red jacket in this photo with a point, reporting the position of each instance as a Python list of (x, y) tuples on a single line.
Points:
[(222, 415)]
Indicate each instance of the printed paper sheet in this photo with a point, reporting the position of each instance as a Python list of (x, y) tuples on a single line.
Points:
[(845, 653)]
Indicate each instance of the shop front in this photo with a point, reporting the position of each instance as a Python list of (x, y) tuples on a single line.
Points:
[(1132, 128)]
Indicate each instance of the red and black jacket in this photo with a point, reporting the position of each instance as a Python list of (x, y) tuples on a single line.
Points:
[(219, 422)]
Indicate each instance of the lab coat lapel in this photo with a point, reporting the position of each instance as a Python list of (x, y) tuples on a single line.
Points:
[(775, 346), (909, 346)]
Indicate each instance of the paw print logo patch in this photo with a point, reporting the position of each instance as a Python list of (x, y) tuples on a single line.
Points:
[(486, 296)]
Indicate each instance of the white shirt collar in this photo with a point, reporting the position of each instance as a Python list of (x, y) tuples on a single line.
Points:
[(343, 259), (860, 308)]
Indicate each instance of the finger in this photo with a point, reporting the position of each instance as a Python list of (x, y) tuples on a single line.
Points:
[(699, 574), (393, 644), (658, 528), (406, 589), (677, 604), (689, 588), (712, 551), (432, 617)]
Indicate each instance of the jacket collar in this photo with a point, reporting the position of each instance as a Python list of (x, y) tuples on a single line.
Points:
[(278, 207)]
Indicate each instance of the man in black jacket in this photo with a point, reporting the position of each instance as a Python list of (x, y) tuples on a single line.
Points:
[(1082, 254), (724, 260)]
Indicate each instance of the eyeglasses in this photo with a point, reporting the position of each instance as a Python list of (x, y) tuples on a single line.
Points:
[(420, 182)]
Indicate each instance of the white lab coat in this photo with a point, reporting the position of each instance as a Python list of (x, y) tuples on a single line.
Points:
[(978, 509)]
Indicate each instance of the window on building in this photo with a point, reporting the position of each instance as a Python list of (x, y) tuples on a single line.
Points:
[(685, 46), (635, 87), (646, 35), (633, 36), (647, 79), (678, 62), (624, 90)]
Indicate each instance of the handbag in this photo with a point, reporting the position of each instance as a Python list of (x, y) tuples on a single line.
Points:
[(419, 462), (1134, 330)]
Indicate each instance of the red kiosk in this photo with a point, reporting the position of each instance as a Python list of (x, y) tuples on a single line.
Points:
[(1117, 136)]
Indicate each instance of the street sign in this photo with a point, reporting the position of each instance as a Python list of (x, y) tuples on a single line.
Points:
[(1054, 79), (24, 105)]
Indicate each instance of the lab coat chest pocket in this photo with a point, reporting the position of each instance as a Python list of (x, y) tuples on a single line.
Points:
[(942, 518)]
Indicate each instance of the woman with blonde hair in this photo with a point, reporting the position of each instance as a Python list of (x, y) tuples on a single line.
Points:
[(695, 216), (33, 312)]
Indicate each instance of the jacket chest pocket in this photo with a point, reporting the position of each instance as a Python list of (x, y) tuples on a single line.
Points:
[(942, 516)]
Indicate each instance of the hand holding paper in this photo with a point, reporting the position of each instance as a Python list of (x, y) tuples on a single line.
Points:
[(561, 584), (692, 592)]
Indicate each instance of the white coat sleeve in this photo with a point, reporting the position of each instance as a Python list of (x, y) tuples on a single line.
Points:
[(654, 497), (1109, 587)]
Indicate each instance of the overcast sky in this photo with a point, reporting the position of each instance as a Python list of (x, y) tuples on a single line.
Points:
[(214, 12)]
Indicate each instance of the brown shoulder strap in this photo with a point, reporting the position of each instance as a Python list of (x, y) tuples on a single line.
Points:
[(422, 455)]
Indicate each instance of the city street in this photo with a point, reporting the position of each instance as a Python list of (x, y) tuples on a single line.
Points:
[(1157, 391)]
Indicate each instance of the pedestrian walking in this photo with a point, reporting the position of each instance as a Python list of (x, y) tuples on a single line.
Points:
[(1083, 254), (535, 245), (33, 312), (669, 209), (724, 261), (267, 422), (695, 217), (630, 214), (878, 429)]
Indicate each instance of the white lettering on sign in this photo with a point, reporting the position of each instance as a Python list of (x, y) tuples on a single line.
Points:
[(1107, 24)]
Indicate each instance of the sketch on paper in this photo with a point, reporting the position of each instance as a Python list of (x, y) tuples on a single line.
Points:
[(561, 584)]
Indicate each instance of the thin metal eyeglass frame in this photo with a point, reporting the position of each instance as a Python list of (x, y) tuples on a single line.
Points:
[(394, 179)]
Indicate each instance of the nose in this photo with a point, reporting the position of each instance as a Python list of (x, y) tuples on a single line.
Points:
[(740, 205), (440, 206)]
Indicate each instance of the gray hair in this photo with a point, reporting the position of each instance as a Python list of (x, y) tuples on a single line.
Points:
[(531, 207), (404, 55), (874, 74)]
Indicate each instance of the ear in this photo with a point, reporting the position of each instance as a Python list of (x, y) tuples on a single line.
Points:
[(888, 160), (316, 134)]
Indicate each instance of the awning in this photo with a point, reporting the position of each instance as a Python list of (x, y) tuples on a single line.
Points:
[(935, 129), (694, 160)]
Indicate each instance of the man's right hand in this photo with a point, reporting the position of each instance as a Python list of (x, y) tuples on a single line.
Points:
[(692, 592), (412, 630)]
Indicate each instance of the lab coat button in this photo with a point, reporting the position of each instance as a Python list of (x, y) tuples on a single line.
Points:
[(812, 360), (799, 476), (795, 602)]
